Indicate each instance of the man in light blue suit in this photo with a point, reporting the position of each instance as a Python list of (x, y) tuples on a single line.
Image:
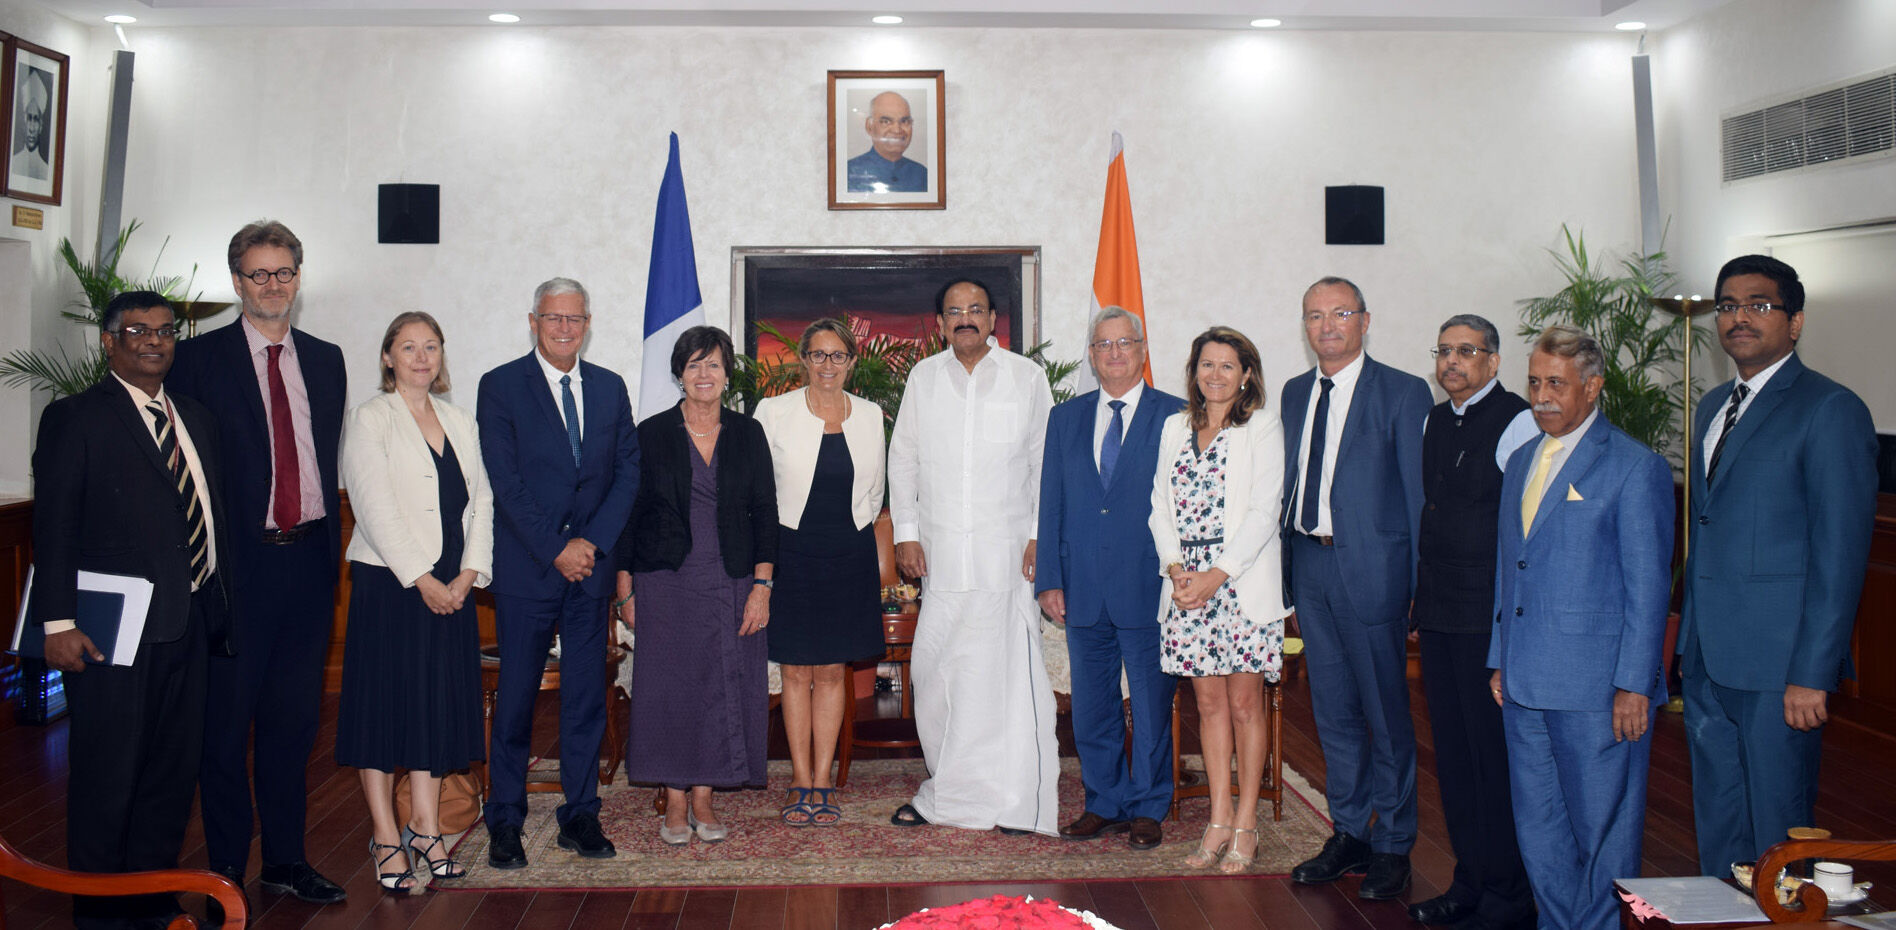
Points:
[(1352, 514), (1783, 471), (557, 440), (1099, 574), (1582, 583)]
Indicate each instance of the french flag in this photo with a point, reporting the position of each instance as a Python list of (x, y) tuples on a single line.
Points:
[(673, 303)]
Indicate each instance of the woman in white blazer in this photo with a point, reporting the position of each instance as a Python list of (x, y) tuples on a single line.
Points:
[(424, 538), (827, 450), (1221, 616)]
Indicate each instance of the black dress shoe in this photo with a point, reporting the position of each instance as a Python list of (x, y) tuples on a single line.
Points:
[(1440, 909), (1342, 855), (1092, 826), (1145, 833), (300, 880), (1014, 831), (504, 850), (1388, 877), (582, 835), (213, 911)]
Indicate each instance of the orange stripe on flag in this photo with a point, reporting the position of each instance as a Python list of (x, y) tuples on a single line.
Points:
[(1116, 267)]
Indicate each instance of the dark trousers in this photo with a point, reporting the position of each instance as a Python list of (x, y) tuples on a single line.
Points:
[(274, 685), (525, 628), (133, 747), (1471, 765), (1115, 788)]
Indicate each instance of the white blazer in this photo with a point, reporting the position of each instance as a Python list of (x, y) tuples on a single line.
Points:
[(390, 473), (796, 436), (1254, 485)]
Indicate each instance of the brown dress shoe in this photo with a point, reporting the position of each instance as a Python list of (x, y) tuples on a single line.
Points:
[(1091, 826), (1145, 834)]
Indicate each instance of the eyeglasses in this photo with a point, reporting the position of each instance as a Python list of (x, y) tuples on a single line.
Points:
[(834, 358), (1339, 316), (140, 331), (887, 121), (1756, 310), (1467, 352), (956, 313), (1123, 344), (261, 276), (566, 319)]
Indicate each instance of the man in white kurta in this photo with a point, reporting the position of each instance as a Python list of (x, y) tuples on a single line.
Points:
[(964, 480)]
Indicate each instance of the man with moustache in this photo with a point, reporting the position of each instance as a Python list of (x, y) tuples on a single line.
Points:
[(561, 454), (964, 477), (1783, 472), (277, 394), (127, 484), (1352, 504), (1099, 576), (884, 169), (1465, 446)]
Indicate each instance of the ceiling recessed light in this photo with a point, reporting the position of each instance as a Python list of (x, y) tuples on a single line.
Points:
[(120, 19), (886, 20), (1267, 23), (1630, 26), (502, 18)]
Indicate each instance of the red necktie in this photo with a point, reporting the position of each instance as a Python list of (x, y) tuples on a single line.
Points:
[(286, 506)]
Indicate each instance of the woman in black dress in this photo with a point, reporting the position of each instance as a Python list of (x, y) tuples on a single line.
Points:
[(827, 450), (423, 541)]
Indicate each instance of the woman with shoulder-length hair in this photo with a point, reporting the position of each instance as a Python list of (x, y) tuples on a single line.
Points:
[(423, 540), (828, 451), (1221, 623), (697, 559)]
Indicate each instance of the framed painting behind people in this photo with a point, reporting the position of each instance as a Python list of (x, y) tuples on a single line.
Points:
[(35, 102), (888, 147)]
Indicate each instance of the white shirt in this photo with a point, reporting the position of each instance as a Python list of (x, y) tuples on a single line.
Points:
[(1717, 427), (553, 376), (1520, 431), (1103, 415), (1342, 390), (964, 466)]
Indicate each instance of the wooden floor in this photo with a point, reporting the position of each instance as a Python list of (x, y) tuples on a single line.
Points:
[(1858, 800)]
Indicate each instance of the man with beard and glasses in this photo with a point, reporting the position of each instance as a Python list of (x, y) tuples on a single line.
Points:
[(277, 395), (884, 169)]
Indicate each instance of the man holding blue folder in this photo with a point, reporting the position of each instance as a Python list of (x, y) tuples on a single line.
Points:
[(127, 485)]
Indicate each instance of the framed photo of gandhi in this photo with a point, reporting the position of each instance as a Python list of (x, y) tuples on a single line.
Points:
[(33, 96), (888, 147)]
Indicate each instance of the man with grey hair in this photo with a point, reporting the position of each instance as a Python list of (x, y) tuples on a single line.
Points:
[(1099, 575), (1584, 549), (1465, 445), (884, 169), (561, 454)]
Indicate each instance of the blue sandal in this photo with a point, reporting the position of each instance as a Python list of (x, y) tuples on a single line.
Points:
[(824, 812), (801, 812)]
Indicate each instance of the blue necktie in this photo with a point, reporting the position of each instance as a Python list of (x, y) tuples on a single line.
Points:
[(1313, 476), (1109, 444), (571, 410)]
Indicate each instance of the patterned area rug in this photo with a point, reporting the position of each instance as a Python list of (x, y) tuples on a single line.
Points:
[(865, 849)]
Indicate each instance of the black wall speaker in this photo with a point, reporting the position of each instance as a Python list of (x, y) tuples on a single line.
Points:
[(1353, 215), (412, 213)]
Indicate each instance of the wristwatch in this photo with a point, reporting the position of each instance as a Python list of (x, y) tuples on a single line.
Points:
[(764, 582)]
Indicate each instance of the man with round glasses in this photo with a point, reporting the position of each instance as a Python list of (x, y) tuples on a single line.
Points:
[(1783, 472)]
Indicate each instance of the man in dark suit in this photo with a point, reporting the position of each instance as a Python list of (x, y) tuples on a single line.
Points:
[(1464, 448), (1352, 502), (128, 484), (1783, 472), (1584, 549), (1099, 575), (560, 451), (277, 394)]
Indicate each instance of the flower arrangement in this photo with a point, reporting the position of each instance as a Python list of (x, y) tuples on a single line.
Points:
[(1001, 913)]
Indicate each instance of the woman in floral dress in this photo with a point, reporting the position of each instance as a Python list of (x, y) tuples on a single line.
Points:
[(1214, 520)]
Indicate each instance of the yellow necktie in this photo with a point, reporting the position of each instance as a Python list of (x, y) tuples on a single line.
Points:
[(1537, 485)]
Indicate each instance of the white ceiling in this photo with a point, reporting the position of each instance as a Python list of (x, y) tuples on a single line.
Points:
[(1447, 15)]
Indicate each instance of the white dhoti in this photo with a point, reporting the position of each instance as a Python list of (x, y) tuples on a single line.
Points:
[(984, 712)]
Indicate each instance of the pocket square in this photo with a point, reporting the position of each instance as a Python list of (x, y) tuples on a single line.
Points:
[(1573, 495)]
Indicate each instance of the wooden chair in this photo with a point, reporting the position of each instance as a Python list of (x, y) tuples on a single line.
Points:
[(1193, 783), (612, 746), (898, 635), (1811, 903), (16, 866)]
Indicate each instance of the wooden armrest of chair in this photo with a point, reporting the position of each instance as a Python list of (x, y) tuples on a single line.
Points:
[(18, 867), (1811, 900)]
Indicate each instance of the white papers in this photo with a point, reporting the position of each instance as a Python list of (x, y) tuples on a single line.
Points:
[(1696, 899), (1885, 920), (131, 620)]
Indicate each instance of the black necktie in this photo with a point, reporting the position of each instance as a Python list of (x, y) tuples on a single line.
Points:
[(200, 541), (1731, 420), (1313, 476)]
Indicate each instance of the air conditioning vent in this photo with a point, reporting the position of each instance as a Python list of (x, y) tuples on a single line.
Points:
[(1852, 120)]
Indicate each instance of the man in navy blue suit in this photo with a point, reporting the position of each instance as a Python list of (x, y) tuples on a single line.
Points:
[(1352, 509), (277, 395), (1582, 585), (1783, 472), (1099, 575), (557, 440)]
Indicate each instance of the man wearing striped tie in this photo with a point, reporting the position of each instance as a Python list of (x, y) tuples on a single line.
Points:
[(127, 484)]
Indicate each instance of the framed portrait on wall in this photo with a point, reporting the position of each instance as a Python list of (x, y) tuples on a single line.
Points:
[(888, 146), (34, 96)]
